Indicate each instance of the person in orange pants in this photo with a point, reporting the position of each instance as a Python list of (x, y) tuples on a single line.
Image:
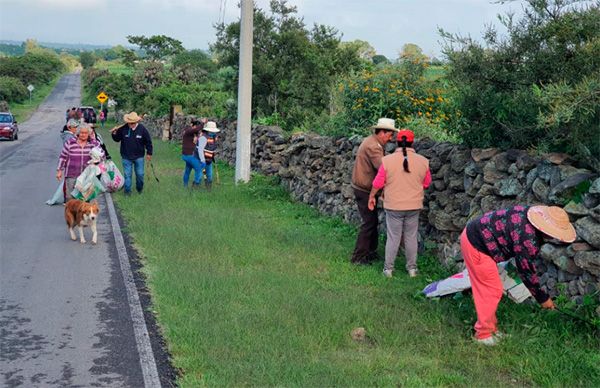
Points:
[(499, 236)]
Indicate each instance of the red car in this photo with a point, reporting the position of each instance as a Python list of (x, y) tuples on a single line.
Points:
[(8, 126)]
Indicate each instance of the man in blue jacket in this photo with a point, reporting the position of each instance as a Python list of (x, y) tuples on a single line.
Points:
[(135, 142)]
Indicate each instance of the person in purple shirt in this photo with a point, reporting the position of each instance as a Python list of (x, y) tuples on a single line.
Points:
[(74, 157), (498, 236)]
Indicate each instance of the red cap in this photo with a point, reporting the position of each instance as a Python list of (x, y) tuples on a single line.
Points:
[(410, 135)]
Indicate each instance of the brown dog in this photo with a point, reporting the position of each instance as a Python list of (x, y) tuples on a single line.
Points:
[(80, 214)]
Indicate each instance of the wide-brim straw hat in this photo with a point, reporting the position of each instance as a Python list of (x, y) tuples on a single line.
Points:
[(553, 221), (387, 124), (132, 118), (211, 126)]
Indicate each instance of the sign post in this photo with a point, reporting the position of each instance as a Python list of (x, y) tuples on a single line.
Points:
[(30, 87)]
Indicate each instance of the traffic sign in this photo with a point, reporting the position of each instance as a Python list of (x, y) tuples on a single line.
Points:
[(102, 97), (30, 88), (111, 103)]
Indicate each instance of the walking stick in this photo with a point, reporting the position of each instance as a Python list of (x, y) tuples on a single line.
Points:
[(153, 172)]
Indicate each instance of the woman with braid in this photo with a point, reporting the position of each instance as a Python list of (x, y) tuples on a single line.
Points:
[(403, 176)]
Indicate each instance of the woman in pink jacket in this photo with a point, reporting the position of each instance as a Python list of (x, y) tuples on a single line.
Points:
[(403, 176)]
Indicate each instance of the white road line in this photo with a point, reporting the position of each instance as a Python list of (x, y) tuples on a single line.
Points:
[(142, 339)]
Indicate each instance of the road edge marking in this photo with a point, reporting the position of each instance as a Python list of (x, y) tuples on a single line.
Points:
[(142, 339)]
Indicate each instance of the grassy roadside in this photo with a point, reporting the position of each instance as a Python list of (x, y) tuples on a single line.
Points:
[(252, 289), (22, 111)]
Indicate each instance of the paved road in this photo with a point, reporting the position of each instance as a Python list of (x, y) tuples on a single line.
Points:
[(64, 315)]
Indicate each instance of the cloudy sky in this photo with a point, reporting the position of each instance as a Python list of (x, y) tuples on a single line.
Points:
[(386, 24)]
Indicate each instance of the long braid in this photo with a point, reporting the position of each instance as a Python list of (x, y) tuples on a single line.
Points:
[(405, 163)]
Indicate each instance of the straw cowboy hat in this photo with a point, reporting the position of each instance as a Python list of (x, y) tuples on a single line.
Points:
[(387, 124), (211, 126), (553, 221), (132, 118)]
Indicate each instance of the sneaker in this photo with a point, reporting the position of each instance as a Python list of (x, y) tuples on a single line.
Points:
[(412, 273), (488, 341), (387, 273)]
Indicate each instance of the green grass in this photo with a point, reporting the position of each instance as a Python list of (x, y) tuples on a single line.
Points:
[(23, 111), (251, 289)]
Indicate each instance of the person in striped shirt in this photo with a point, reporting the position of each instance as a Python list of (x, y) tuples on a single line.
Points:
[(74, 158)]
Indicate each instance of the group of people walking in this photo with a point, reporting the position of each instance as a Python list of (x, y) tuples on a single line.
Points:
[(517, 232)]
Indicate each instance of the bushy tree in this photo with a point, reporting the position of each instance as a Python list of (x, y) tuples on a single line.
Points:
[(157, 47), (32, 68), (87, 59), (12, 89), (294, 68), (515, 90), (193, 66)]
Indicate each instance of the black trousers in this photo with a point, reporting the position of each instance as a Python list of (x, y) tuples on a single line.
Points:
[(366, 242)]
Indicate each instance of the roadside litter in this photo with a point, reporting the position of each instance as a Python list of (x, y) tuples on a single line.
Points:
[(512, 284)]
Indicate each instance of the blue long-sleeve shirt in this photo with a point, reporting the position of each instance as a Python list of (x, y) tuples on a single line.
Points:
[(133, 141)]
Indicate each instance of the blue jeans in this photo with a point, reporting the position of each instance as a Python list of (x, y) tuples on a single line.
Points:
[(192, 162), (209, 172), (128, 166)]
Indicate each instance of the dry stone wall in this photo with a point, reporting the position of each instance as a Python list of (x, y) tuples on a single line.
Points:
[(466, 182)]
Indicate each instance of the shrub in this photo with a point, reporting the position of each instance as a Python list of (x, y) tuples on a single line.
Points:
[(401, 92), (12, 89), (536, 88)]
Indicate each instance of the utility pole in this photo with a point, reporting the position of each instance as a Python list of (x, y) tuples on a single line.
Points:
[(243, 142)]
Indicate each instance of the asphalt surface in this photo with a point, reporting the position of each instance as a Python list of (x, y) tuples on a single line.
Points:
[(64, 314)]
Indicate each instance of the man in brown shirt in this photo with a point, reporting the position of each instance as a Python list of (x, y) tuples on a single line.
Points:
[(368, 160)]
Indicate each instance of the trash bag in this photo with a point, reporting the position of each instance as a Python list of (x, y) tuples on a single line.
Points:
[(58, 197), (111, 177), (87, 185)]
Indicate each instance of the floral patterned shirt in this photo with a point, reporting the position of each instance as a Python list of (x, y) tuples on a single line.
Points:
[(507, 233)]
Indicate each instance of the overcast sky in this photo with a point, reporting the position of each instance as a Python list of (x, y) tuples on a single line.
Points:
[(386, 24)]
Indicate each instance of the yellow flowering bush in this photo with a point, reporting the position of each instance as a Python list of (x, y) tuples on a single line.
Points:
[(399, 91)]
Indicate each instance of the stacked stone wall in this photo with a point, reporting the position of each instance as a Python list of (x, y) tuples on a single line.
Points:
[(466, 182)]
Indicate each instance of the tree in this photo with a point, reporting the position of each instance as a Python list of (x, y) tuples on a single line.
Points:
[(362, 47), (412, 53), (295, 68), (87, 59), (380, 59), (519, 90), (193, 66), (157, 47)]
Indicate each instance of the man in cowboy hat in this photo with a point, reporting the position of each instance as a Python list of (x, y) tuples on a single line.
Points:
[(206, 148), (135, 142), (499, 236), (368, 160)]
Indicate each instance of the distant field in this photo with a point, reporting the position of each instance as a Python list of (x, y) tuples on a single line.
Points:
[(434, 72), (114, 67)]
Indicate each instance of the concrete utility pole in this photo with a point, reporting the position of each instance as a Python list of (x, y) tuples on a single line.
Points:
[(242, 151)]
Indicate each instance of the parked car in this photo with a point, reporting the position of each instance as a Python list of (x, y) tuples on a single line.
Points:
[(8, 126), (88, 113)]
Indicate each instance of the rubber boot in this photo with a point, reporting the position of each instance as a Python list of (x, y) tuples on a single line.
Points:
[(208, 186)]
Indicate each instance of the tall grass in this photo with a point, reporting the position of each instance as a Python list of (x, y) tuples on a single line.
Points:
[(251, 289)]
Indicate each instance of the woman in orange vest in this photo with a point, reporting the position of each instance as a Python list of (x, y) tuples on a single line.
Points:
[(403, 176)]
